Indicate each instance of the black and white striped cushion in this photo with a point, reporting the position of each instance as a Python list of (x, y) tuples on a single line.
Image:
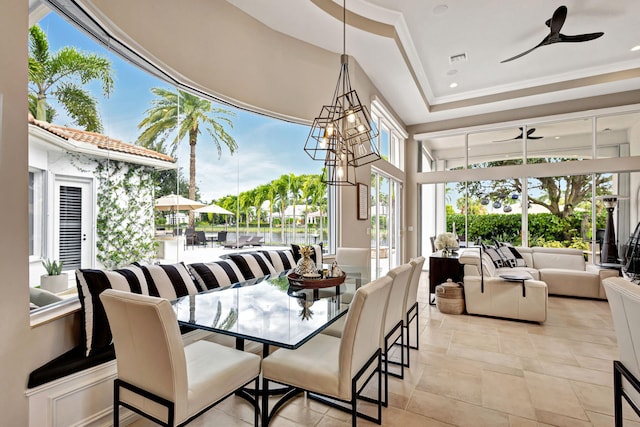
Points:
[(316, 256), (216, 274), (169, 281), (91, 283), (281, 260), (253, 265)]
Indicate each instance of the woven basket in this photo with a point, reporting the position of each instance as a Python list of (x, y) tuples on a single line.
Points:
[(450, 298)]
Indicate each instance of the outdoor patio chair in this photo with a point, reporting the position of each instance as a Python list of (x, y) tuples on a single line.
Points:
[(190, 238), (201, 239), (222, 237)]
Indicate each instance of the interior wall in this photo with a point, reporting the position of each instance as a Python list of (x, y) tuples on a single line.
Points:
[(16, 348)]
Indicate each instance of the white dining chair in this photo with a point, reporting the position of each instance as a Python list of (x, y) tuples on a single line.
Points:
[(335, 368), (356, 262), (393, 327), (410, 306), (160, 378), (624, 302)]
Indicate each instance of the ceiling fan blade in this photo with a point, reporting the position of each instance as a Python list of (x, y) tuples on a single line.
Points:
[(542, 43), (557, 20), (580, 37)]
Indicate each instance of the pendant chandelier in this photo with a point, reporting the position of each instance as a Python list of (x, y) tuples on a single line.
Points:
[(343, 135)]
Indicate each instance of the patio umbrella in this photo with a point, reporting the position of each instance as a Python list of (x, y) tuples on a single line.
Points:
[(213, 208), (173, 202)]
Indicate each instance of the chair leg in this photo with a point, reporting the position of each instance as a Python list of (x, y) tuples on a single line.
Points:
[(116, 404), (617, 395), (265, 402), (256, 407)]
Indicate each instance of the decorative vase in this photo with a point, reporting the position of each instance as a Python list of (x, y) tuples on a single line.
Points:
[(305, 266)]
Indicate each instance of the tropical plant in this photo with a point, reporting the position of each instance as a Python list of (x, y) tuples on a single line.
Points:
[(281, 190), (260, 195), (53, 267), (246, 203), (187, 114), (62, 75), (295, 188)]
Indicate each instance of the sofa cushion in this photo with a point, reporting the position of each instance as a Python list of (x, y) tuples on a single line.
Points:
[(282, 260), (567, 258), (216, 274), (253, 265), (316, 256), (562, 281)]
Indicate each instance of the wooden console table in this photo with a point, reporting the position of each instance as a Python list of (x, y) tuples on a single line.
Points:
[(442, 268)]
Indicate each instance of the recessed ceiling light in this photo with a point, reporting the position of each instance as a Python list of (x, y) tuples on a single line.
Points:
[(440, 9), (453, 85), (635, 48), (557, 137)]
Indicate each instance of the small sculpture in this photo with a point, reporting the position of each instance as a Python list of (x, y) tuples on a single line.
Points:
[(305, 264), (335, 270)]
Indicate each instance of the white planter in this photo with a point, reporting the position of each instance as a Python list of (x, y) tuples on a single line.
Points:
[(55, 284)]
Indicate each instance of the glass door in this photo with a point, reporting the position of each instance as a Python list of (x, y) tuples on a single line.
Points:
[(385, 223)]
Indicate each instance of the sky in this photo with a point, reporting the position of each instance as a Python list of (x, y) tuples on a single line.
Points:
[(267, 147)]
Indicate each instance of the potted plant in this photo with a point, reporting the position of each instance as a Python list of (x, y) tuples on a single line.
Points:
[(55, 280)]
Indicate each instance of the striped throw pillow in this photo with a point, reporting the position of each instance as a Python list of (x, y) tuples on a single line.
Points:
[(91, 283), (169, 281), (253, 265), (282, 260), (216, 274)]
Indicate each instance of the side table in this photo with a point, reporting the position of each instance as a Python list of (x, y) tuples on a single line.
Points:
[(442, 268)]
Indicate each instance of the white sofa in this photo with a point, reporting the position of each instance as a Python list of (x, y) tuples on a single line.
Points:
[(564, 270), (493, 296)]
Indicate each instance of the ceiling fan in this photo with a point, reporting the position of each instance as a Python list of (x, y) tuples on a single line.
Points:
[(555, 25), (521, 136)]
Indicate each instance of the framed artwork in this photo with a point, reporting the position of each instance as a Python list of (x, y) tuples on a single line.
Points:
[(363, 201)]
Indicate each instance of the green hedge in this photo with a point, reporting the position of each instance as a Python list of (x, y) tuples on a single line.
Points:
[(545, 229)]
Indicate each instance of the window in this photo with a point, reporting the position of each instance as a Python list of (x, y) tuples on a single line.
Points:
[(533, 179), (36, 217), (391, 136), (122, 187)]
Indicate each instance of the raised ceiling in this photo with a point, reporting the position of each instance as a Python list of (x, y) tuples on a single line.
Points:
[(405, 47)]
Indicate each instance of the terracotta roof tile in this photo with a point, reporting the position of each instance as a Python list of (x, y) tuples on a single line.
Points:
[(99, 140)]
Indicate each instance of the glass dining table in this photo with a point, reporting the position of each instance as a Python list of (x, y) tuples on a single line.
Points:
[(266, 310)]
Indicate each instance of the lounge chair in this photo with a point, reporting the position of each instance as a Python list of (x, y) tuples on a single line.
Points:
[(255, 240), (241, 243)]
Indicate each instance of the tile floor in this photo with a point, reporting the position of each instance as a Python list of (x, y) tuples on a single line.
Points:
[(479, 371)]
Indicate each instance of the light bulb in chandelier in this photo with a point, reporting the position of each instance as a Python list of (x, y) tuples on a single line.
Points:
[(361, 149), (340, 171), (324, 142), (351, 116), (359, 126)]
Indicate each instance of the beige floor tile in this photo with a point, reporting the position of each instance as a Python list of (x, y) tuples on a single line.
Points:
[(507, 393), (576, 373), (553, 395), (475, 340), (455, 412), (559, 420)]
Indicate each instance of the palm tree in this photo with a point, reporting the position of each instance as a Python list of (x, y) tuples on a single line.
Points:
[(281, 190), (295, 187), (62, 75), (187, 113), (318, 197), (261, 193), (308, 188), (246, 203), (271, 197)]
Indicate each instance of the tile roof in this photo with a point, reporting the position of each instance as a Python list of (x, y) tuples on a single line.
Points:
[(99, 140)]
